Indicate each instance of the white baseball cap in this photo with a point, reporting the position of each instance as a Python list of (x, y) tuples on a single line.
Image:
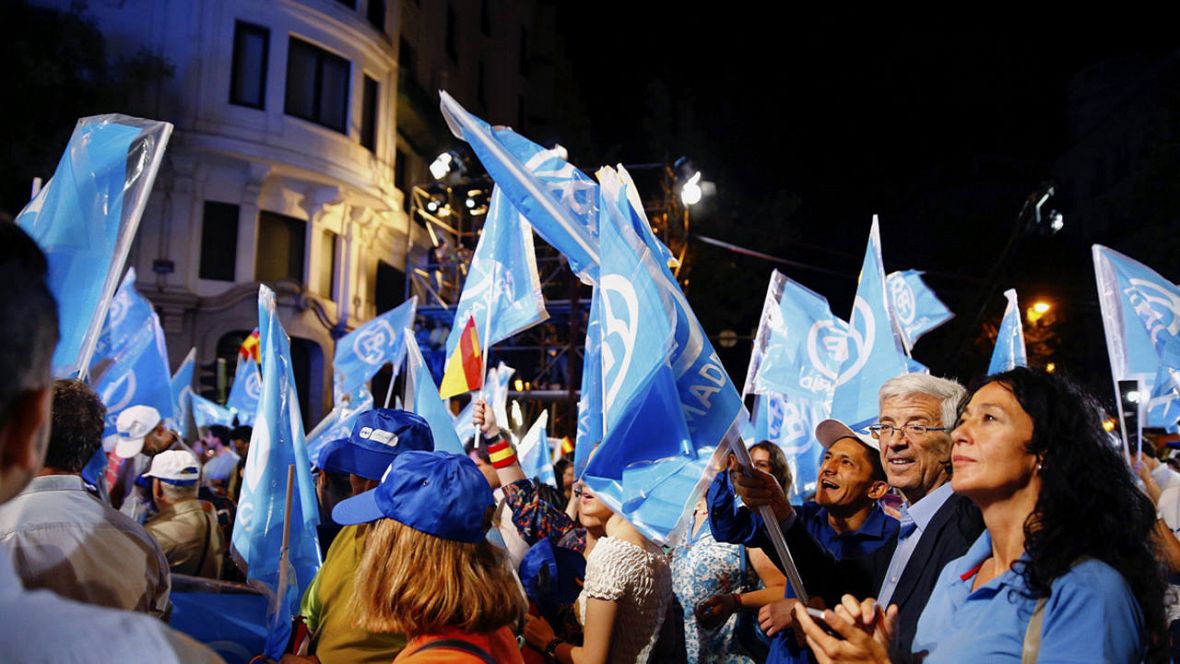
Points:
[(133, 425), (177, 467), (830, 431)]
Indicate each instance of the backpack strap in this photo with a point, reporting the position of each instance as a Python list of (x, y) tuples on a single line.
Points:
[(1032, 635), (460, 645)]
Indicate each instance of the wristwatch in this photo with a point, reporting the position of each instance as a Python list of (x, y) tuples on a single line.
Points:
[(551, 649)]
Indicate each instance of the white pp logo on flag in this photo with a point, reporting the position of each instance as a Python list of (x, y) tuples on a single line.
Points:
[(120, 305), (860, 345), (253, 385), (371, 343), (618, 333), (118, 395), (259, 453), (902, 297), (1157, 307)]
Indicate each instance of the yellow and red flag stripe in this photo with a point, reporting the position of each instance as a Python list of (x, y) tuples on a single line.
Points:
[(250, 348), (464, 371)]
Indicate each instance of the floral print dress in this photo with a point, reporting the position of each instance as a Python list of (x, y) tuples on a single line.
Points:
[(703, 567)]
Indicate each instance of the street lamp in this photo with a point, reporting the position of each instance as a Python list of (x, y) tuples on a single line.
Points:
[(1038, 310)]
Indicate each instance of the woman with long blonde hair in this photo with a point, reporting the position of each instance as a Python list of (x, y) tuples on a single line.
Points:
[(428, 570)]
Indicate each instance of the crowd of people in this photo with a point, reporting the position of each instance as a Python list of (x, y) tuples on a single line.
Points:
[(996, 524)]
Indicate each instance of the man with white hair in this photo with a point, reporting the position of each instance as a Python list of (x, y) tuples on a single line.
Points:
[(917, 413), (186, 530)]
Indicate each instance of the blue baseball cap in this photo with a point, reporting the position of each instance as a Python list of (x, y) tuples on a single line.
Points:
[(378, 437), (436, 493), (552, 576)]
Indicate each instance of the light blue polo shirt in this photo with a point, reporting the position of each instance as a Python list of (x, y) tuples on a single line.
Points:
[(1091, 615)]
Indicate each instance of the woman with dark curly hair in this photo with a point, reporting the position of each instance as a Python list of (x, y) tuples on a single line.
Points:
[(1064, 572)]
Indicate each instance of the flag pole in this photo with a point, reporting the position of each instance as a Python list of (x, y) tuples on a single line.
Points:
[(285, 551), (487, 331), (389, 391)]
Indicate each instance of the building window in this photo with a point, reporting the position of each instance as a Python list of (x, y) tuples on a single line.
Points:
[(317, 85), (326, 279), (485, 17), (281, 241), (376, 14), (524, 52), (390, 287), (452, 48), (405, 57), (247, 86), (219, 241), (369, 115), (401, 165)]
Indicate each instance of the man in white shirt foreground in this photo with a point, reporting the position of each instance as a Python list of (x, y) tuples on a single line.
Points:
[(39, 626)]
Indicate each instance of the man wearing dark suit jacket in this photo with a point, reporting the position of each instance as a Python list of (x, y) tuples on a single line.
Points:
[(917, 412)]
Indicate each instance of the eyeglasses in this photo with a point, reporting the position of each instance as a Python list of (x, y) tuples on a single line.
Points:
[(914, 430)]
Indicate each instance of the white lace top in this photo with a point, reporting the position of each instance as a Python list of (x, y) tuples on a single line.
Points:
[(639, 580)]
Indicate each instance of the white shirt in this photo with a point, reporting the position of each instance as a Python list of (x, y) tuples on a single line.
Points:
[(39, 626), (61, 538)]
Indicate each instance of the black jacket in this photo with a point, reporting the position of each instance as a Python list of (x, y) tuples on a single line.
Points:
[(952, 530)]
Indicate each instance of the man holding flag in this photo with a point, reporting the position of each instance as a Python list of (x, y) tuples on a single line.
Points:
[(917, 412)]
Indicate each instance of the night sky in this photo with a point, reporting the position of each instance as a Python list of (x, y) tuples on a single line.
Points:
[(809, 124)]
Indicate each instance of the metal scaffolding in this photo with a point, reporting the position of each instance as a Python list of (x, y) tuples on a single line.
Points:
[(547, 357)]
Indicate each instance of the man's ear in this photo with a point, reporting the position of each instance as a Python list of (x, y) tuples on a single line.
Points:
[(878, 490), (23, 440)]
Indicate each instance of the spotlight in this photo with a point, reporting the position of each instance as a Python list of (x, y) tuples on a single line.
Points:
[(432, 205), (470, 202), (691, 193), (1056, 221), (441, 165)]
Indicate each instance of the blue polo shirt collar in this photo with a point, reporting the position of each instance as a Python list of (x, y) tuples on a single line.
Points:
[(924, 510), (968, 566)]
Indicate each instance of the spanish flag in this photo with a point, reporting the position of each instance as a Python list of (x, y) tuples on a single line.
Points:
[(464, 371), (250, 348)]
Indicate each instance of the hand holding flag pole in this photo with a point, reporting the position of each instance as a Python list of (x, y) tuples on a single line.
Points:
[(738, 447)]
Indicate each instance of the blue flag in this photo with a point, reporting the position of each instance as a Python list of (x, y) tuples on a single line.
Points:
[(206, 413), (589, 432), (805, 346), (422, 398), (246, 391), (132, 368), (707, 395), (558, 200), (464, 424), (277, 442), (182, 389), (790, 423), (85, 218), (1009, 352), (361, 353), (646, 458), (502, 280), (338, 422), (640, 222), (533, 451), (874, 348), (1141, 317), (495, 390), (916, 308)]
